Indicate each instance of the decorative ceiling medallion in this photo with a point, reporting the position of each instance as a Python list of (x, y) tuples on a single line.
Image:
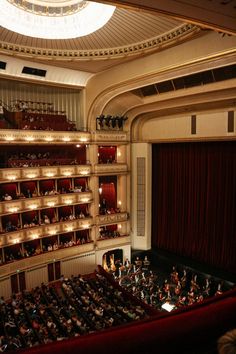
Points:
[(54, 19), (50, 8)]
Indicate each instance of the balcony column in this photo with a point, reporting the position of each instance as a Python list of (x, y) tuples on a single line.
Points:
[(122, 195)]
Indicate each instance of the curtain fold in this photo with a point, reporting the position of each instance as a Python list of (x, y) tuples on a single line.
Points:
[(194, 201)]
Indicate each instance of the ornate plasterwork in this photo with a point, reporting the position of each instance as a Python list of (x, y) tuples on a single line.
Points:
[(111, 218), (110, 168), (50, 8), (178, 34), (34, 137)]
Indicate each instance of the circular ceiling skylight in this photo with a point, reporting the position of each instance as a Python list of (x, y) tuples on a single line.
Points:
[(54, 19)]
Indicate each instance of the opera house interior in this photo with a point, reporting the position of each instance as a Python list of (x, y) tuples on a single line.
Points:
[(117, 176)]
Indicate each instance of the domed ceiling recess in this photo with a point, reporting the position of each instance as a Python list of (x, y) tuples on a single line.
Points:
[(75, 33)]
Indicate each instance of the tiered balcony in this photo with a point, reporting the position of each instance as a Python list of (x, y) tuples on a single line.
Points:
[(22, 205), (18, 136), (32, 233), (29, 173), (44, 258)]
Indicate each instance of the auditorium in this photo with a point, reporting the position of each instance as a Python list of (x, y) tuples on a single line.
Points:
[(117, 176)]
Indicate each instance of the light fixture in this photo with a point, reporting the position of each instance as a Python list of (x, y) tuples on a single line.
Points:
[(11, 178), (100, 190), (119, 202), (68, 201), (49, 138), (83, 139), (66, 138), (31, 175), (67, 173), (84, 200), (29, 138), (51, 204), (33, 206), (50, 174), (13, 209), (54, 19), (9, 138), (84, 172)]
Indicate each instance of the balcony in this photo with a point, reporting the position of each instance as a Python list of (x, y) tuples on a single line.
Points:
[(31, 233), (22, 205), (111, 218), (44, 258), (29, 173), (42, 136), (110, 168)]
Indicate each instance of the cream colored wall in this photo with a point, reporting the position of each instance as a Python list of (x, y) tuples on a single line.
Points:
[(198, 54), (208, 125), (142, 242)]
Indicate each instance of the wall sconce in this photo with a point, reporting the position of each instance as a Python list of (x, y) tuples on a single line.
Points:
[(31, 175), (83, 139), (85, 226), (16, 240), (119, 202), (11, 178), (100, 190), (49, 138), (9, 138), (33, 206), (67, 173), (50, 174), (78, 145), (69, 201), (51, 204), (119, 226), (34, 236), (13, 209), (84, 172), (29, 138), (69, 229), (84, 200), (66, 138)]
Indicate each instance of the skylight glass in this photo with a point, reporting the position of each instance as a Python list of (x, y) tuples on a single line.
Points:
[(80, 22)]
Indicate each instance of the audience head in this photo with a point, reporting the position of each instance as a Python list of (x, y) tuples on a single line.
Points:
[(226, 344)]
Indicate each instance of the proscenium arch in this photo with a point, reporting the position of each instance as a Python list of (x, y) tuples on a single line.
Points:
[(110, 97)]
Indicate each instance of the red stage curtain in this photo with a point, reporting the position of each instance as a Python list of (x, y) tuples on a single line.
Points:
[(194, 201)]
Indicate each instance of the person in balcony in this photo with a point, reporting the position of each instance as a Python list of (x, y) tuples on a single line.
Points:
[(28, 193), (103, 207), (7, 197), (46, 219)]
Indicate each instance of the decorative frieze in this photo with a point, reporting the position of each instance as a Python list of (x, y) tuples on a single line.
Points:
[(27, 204), (43, 137), (27, 234), (111, 218), (29, 173), (106, 169), (110, 136)]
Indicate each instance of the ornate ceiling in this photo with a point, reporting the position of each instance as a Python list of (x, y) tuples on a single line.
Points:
[(128, 34)]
